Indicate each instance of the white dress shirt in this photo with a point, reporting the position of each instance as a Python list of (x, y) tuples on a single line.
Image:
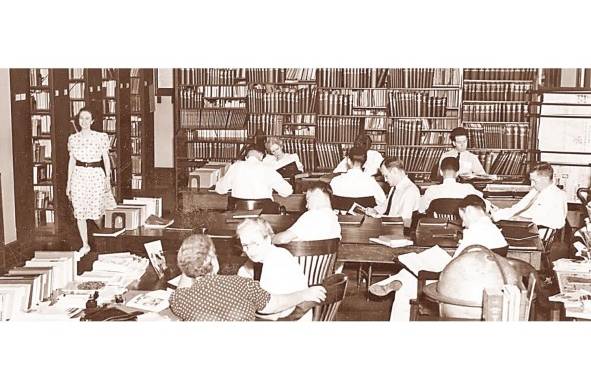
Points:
[(287, 158), (356, 184), (547, 208), (371, 166), (319, 224), (405, 199), (469, 162), (251, 179), (482, 232), (450, 188)]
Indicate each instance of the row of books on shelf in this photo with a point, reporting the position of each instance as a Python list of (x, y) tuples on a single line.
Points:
[(75, 107), (109, 88), (76, 90), (423, 77), (500, 136), (39, 77), (506, 162), (524, 74), (109, 73), (338, 129), (279, 75), (109, 107), (301, 100), (41, 125), (42, 173), (202, 76), (112, 140), (136, 165), (110, 124), (300, 130), (136, 126), (305, 149), (509, 302), (377, 137), (416, 159), (412, 104), (41, 151), (24, 288), (497, 91), (135, 103), (213, 150), (211, 118), (136, 145), (272, 124), (135, 83), (44, 217), (134, 72), (217, 134), (328, 155), (495, 112), (136, 182), (43, 197), (411, 132), (75, 73), (40, 100), (351, 77), (335, 103)]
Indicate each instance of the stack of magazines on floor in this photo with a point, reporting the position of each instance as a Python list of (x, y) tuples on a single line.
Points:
[(110, 276), (574, 281)]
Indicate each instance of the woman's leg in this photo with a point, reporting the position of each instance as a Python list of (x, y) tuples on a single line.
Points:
[(83, 231)]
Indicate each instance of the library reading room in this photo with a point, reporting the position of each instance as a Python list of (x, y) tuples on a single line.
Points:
[(295, 194)]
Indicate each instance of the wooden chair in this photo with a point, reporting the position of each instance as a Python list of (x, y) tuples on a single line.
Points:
[(268, 206), (336, 286), (444, 208), (547, 236), (425, 309), (316, 258), (344, 203), (583, 195)]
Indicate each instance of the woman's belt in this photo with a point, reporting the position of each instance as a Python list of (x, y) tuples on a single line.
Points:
[(94, 164)]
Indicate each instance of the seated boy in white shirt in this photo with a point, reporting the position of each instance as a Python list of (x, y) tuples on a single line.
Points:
[(355, 183), (479, 229), (545, 204), (318, 223)]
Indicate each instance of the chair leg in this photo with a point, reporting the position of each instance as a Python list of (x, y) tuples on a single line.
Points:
[(369, 275), (359, 276)]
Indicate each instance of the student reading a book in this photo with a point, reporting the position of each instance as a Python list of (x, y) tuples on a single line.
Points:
[(202, 295), (281, 273), (404, 196), (318, 223), (277, 157), (373, 158), (251, 179), (479, 229), (545, 204), (450, 188), (469, 164), (355, 183), (88, 186)]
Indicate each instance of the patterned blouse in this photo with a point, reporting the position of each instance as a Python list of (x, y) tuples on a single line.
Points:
[(219, 298)]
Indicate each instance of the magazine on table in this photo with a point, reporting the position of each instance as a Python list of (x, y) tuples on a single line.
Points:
[(156, 256)]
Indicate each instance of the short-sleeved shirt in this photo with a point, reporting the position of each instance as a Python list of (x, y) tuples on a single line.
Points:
[(448, 189), (405, 200), (356, 184), (371, 166), (219, 298), (319, 224), (482, 232), (469, 162)]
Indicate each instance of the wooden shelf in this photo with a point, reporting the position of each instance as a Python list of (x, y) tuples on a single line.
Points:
[(499, 81), (495, 101)]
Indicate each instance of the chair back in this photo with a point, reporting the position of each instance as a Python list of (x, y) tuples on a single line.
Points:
[(547, 235), (344, 203), (444, 208), (583, 195), (268, 206), (503, 251), (316, 258), (336, 286)]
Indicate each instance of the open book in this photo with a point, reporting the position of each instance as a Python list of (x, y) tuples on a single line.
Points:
[(357, 209), (391, 240), (156, 256), (154, 222), (288, 170), (154, 301)]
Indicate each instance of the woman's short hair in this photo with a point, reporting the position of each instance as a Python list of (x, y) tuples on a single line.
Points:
[(255, 224), (273, 141), (196, 256), (458, 132), (87, 109)]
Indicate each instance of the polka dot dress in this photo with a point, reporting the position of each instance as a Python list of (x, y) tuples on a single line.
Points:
[(87, 185), (219, 298)]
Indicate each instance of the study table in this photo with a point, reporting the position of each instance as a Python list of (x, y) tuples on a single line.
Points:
[(354, 247)]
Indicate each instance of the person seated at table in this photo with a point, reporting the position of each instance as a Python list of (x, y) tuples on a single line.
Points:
[(281, 273), (202, 295), (479, 230), (251, 179), (469, 164), (277, 158), (318, 223), (404, 196), (373, 158), (545, 204), (450, 188), (355, 183)]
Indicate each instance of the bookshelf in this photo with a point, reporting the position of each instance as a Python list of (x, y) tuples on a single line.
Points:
[(40, 129), (495, 112), (210, 118), (142, 129)]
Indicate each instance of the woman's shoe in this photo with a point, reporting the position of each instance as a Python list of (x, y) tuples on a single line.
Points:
[(383, 289), (83, 251)]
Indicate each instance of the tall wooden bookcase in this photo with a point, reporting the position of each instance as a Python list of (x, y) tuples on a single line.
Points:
[(40, 123), (142, 128)]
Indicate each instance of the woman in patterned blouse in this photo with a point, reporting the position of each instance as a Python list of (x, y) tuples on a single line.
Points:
[(202, 295)]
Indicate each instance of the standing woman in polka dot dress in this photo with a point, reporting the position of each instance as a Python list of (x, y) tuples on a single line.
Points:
[(88, 187)]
